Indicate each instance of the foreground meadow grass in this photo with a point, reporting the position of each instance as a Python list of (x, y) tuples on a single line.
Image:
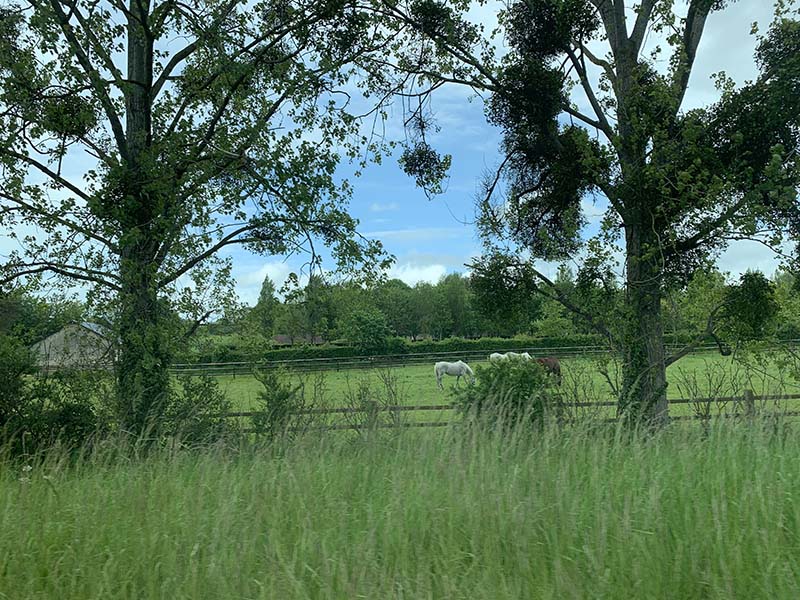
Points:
[(569, 514)]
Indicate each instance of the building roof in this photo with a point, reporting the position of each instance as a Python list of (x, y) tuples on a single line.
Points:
[(287, 340), (95, 328)]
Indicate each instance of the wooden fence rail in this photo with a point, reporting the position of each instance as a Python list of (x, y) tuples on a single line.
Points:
[(747, 400), (393, 360)]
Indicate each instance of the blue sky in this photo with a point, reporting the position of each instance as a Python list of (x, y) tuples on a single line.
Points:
[(433, 237), (428, 237)]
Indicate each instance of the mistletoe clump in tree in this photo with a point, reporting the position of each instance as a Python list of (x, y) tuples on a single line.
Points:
[(139, 140), (680, 184)]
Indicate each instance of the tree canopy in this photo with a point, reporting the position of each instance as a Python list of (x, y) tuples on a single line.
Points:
[(140, 140), (586, 112)]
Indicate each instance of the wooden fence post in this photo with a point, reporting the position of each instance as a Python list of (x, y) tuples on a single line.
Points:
[(749, 399), (371, 408)]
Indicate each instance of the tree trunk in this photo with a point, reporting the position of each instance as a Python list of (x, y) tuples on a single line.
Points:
[(144, 357), (643, 396)]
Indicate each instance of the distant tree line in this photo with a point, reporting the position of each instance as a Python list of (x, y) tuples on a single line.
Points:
[(473, 306), (369, 316), (458, 305)]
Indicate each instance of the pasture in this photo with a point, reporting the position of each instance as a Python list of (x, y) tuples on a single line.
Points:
[(570, 514), (695, 376)]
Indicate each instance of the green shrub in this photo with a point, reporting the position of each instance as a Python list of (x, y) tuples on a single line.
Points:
[(509, 392), (397, 345), (233, 351), (231, 348), (367, 330), (194, 413), (16, 362), (70, 423), (37, 411), (62, 407), (279, 401), (490, 344)]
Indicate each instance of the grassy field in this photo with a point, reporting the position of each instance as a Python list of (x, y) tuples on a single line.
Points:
[(694, 376), (562, 515)]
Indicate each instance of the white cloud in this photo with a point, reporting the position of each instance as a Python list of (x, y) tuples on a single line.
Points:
[(418, 234), (249, 280), (383, 207), (593, 208), (746, 255), (452, 260), (412, 273), (727, 46)]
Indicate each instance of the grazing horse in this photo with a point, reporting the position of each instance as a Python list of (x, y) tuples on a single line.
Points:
[(458, 369), (552, 366), (496, 356), (550, 363)]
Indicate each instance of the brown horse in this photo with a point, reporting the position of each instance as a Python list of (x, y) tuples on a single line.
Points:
[(552, 366)]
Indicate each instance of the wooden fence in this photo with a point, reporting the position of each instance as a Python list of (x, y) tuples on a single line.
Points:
[(746, 405), (391, 360)]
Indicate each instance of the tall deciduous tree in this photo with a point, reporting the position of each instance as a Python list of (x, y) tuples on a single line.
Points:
[(456, 299), (787, 286), (140, 139), (423, 309), (504, 292), (265, 311), (680, 184), (366, 329), (394, 299)]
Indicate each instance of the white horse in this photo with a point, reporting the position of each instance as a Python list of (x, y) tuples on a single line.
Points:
[(496, 356), (458, 369)]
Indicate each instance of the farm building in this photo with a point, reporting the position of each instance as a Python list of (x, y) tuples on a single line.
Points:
[(84, 345), (288, 340)]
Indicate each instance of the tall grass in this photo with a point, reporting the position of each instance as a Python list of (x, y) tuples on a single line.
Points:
[(569, 514)]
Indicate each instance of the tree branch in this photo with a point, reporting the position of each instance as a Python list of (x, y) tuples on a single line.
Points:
[(97, 47), (49, 172), (231, 238), (196, 324), (562, 299), (704, 230), (692, 32), (709, 331), (71, 271), (603, 64), (608, 10), (187, 51), (602, 121), (71, 225), (448, 45), (644, 13), (176, 59), (94, 77), (580, 116)]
